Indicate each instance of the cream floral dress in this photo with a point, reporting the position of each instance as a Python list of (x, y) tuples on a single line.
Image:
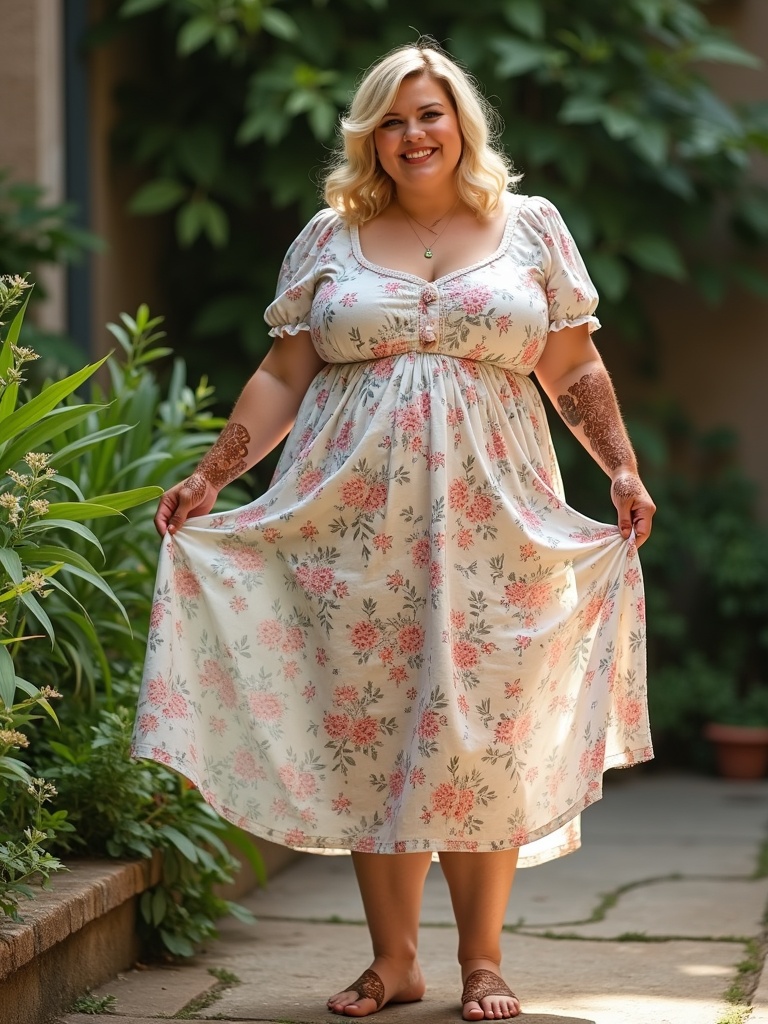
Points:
[(411, 641)]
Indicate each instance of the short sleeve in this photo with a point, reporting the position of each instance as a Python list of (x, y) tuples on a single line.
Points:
[(571, 296), (289, 312)]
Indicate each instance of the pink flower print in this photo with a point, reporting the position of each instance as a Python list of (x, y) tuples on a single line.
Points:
[(294, 292), (294, 640), (353, 492), (410, 638), (349, 299), (411, 693), (530, 352), (481, 509), (464, 804), (364, 636), (186, 583), (429, 724), (529, 517), (266, 707), (245, 766), (579, 295), (444, 799), (270, 534), (471, 395), (156, 615), (308, 480), (309, 531), (640, 606), (510, 731), (592, 611), (364, 731), (341, 589), (455, 418), (396, 783), (398, 674), (512, 689), (519, 837), (426, 815), (321, 656), (321, 397), (458, 619), (420, 552), (386, 654), (465, 539), (502, 322), (607, 611), (228, 582), (435, 575), (598, 756), (287, 775), (306, 785), (315, 579), (238, 604), (462, 704), (148, 723), (160, 755), (556, 651), (341, 804), (295, 837), (382, 541), (365, 844), (343, 440), (395, 580), (417, 777), (376, 498), (522, 643), (337, 726), (214, 677), (251, 515), (632, 577), (409, 418), (344, 695), (279, 807), (324, 238), (526, 595), (245, 557), (326, 293), (629, 711), (290, 670), (217, 725), (527, 551), (464, 654), (176, 707), (309, 692), (392, 287), (270, 634), (497, 446), (157, 691)]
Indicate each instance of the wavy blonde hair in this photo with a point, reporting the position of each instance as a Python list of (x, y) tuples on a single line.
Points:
[(357, 187)]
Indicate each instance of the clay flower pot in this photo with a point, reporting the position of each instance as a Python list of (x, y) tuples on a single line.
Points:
[(741, 750)]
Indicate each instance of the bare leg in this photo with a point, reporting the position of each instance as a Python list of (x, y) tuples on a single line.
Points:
[(391, 886), (480, 884)]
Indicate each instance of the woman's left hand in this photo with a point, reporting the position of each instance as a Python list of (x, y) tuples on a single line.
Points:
[(634, 505)]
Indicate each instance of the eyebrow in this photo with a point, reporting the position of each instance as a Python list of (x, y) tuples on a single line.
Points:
[(434, 103)]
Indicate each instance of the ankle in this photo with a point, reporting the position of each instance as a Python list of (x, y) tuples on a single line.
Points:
[(479, 963)]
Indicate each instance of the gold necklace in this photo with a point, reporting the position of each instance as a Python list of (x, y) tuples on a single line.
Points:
[(428, 254)]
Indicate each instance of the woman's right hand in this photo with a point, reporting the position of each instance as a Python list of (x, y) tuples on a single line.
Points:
[(194, 496)]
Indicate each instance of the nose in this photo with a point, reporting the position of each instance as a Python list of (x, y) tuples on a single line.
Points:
[(412, 132)]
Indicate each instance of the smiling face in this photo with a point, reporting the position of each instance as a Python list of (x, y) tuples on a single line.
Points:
[(418, 140)]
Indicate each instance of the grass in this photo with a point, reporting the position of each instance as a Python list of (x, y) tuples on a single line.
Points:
[(93, 1004), (225, 979)]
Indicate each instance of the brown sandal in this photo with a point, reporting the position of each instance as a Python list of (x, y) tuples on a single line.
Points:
[(369, 986), (482, 983)]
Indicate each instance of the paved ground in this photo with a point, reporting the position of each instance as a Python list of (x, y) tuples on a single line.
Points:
[(652, 922)]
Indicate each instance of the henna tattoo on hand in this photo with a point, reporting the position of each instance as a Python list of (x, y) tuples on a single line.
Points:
[(227, 459), (591, 404), (195, 484), (627, 487)]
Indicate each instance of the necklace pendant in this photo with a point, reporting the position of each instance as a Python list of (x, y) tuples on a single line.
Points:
[(427, 254)]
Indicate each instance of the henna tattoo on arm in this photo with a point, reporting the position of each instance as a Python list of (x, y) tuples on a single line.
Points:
[(626, 488), (591, 405), (225, 461)]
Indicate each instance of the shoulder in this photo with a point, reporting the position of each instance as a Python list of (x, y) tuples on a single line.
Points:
[(540, 212), (319, 230)]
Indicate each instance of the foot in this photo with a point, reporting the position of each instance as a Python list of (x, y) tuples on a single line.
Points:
[(384, 982), (486, 995)]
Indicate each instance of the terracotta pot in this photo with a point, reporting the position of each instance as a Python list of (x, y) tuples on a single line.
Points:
[(741, 750)]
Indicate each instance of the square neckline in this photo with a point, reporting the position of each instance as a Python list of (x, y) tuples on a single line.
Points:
[(509, 226)]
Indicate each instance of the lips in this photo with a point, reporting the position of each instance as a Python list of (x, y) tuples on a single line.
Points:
[(417, 155)]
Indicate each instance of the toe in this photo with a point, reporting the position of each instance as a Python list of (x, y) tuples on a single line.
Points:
[(473, 1011)]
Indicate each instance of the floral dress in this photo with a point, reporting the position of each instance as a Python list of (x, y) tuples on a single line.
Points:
[(410, 642)]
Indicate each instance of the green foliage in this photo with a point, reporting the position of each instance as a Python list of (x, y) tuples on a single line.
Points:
[(90, 1003), (34, 233), (607, 112)]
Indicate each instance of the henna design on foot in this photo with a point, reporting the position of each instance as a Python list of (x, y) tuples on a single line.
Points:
[(591, 404), (369, 986), (227, 459)]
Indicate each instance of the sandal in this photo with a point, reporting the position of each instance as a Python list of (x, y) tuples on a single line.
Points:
[(369, 986), (482, 983)]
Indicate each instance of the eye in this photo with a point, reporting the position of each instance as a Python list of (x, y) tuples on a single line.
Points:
[(433, 113), (392, 122)]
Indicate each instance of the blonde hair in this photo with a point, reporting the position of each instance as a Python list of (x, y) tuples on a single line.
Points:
[(357, 187)]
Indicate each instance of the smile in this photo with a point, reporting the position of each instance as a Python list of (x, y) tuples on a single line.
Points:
[(418, 154)]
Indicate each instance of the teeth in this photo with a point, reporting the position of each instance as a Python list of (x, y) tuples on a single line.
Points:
[(418, 154)]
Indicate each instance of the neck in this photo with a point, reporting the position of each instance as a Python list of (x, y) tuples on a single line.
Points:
[(426, 208)]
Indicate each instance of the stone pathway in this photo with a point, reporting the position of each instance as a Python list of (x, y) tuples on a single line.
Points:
[(647, 924)]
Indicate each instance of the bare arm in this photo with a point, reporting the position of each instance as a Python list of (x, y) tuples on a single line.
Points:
[(574, 377), (263, 415)]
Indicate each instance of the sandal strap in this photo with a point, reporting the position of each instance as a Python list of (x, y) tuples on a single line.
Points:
[(482, 983), (369, 986)]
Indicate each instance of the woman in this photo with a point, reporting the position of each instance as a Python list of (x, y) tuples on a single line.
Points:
[(411, 644)]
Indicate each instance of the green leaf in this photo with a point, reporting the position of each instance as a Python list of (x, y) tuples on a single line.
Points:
[(518, 56), (723, 51), (279, 24), (527, 16), (195, 34), (56, 422), (105, 505), (580, 108), (39, 406), (657, 255), (10, 561), (181, 842), (7, 678), (133, 7), (158, 196)]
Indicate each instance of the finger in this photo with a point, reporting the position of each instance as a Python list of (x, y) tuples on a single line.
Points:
[(642, 524)]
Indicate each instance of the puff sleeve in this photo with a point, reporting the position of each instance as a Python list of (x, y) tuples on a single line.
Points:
[(571, 296), (289, 312)]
